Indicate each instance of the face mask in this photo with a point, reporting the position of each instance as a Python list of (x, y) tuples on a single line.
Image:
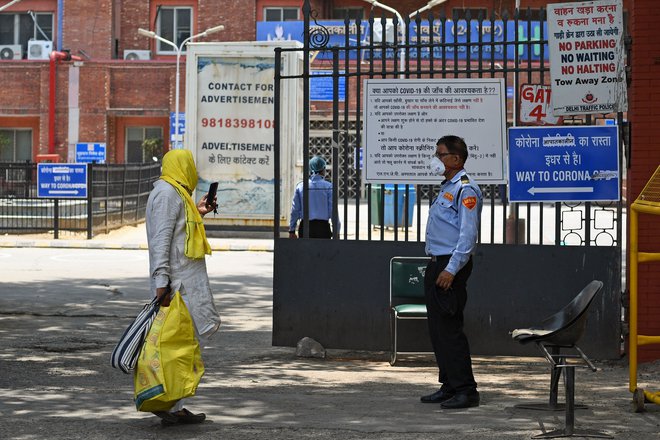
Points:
[(437, 166)]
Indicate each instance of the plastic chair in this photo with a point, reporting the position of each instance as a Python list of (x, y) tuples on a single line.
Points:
[(555, 336), (407, 299)]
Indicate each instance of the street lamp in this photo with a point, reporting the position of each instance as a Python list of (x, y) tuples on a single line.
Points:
[(428, 6), (403, 26), (178, 49)]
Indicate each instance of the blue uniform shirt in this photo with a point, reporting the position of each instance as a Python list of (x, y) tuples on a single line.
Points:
[(320, 201), (454, 218)]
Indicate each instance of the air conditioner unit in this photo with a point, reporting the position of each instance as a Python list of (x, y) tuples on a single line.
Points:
[(39, 49), (10, 52), (133, 54)]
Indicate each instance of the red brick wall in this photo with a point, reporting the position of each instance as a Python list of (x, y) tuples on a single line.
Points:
[(644, 99), (87, 26), (134, 15), (238, 17)]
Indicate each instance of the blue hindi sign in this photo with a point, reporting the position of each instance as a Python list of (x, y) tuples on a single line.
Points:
[(175, 135), (90, 153), (322, 88), (564, 164), (62, 180)]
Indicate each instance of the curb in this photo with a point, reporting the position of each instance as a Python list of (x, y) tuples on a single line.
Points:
[(69, 244)]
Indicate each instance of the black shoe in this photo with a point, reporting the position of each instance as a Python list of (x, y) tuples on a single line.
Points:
[(462, 400), (185, 416), (437, 397), (167, 418)]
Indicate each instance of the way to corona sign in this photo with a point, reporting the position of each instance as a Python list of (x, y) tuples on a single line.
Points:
[(572, 163)]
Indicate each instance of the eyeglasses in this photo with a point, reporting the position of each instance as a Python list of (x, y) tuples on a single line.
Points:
[(441, 155)]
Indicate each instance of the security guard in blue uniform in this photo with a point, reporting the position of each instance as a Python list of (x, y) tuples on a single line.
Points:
[(320, 203), (451, 236)]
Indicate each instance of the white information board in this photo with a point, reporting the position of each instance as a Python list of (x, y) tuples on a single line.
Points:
[(404, 118), (587, 65)]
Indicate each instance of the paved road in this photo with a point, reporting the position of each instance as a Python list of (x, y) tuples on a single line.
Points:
[(61, 311)]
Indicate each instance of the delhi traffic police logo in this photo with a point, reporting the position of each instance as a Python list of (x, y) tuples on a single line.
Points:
[(470, 202)]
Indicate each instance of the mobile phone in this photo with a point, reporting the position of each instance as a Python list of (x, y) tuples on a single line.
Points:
[(213, 189)]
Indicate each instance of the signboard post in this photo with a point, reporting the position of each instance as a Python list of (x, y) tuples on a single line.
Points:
[(587, 67), (62, 180), (552, 164), (404, 118), (90, 153)]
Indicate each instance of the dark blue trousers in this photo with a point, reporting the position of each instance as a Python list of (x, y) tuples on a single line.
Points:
[(445, 319)]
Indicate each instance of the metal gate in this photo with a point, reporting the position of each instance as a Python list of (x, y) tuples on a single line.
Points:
[(526, 242)]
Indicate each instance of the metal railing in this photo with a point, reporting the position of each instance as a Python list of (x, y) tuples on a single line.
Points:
[(116, 196)]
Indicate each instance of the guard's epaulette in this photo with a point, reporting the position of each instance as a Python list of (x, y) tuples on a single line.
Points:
[(465, 179)]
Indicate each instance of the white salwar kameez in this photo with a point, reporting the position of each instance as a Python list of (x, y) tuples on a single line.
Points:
[(166, 236)]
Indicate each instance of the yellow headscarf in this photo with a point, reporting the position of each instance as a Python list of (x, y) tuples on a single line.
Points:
[(179, 171)]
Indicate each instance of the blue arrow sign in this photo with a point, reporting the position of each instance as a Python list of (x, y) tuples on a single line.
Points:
[(62, 180), (550, 164)]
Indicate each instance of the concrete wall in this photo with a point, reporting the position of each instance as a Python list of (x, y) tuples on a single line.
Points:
[(337, 292)]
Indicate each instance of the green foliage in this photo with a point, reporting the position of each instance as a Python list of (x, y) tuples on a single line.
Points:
[(153, 147), (4, 141)]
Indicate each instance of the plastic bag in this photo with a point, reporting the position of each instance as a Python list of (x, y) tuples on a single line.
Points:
[(170, 364)]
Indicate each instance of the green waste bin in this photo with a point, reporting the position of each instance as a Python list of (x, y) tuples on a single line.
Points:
[(392, 206), (376, 203)]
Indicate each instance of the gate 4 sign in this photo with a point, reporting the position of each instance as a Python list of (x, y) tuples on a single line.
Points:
[(564, 164), (536, 104)]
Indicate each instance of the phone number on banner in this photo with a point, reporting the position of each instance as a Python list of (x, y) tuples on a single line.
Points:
[(237, 123)]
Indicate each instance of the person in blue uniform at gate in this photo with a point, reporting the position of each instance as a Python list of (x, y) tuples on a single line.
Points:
[(451, 237), (320, 203)]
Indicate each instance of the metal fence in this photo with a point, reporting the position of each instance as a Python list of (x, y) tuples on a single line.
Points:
[(116, 196), (338, 135)]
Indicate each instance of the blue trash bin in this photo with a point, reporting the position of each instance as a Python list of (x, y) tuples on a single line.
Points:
[(399, 206)]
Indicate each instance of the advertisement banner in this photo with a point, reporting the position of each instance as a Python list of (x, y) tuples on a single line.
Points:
[(404, 118), (234, 133), (587, 67)]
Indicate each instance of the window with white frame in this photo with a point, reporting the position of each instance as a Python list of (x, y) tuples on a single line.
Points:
[(175, 25), (135, 137), (19, 28), (280, 14), (15, 145)]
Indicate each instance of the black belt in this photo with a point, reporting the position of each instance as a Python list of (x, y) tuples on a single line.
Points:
[(434, 258)]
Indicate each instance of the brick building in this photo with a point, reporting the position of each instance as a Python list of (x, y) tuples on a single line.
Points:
[(120, 88)]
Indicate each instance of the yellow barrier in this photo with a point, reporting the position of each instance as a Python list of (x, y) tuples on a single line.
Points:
[(648, 202)]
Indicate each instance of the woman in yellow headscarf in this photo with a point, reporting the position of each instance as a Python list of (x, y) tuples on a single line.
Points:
[(177, 249)]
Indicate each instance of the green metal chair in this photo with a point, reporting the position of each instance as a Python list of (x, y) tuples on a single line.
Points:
[(407, 299)]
